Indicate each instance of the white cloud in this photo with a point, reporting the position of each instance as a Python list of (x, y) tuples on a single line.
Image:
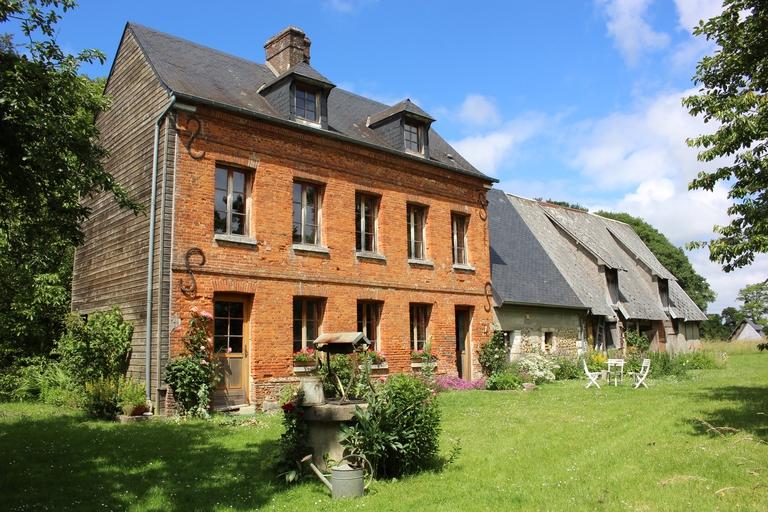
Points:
[(489, 150), (479, 111), (629, 28), (691, 11), (727, 286)]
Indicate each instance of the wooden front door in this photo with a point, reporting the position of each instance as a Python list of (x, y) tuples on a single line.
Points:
[(230, 344), (463, 360)]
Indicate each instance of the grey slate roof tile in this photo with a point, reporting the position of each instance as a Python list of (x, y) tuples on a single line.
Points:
[(195, 71)]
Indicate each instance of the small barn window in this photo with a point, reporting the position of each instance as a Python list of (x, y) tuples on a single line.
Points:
[(549, 342), (412, 134)]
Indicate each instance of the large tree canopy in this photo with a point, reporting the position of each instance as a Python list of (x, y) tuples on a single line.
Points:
[(673, 258), (50, 157), (755, 302), (733, 84)]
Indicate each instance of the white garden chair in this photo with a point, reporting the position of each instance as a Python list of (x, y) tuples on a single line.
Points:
[(642, 374), (615, 370), (592, 376)]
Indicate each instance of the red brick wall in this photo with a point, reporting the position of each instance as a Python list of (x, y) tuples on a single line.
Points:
[(272, 274)]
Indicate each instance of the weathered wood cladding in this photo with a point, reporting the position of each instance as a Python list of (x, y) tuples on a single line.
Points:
[(111, 266)]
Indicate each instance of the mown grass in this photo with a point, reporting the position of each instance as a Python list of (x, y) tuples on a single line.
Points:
[(696, 444)]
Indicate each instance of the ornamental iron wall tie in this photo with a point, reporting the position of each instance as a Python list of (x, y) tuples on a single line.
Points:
[(195, 134), (190, 291)]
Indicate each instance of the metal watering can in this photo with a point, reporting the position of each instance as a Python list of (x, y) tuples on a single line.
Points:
[(346, 481)]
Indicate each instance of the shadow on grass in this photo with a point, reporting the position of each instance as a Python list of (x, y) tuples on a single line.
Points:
[(66, 463), (747, 411)]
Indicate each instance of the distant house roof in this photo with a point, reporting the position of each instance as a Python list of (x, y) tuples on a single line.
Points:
[(533, 260), (740, 332), (197, 73)]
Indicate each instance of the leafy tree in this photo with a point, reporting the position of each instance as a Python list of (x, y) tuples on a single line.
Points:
[(755, 300), (673, 258), (50, 157), (575, 206), (713, 328), (734, 81), (732, 317)]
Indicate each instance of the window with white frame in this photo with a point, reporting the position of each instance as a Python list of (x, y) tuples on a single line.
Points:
[(368, 317), (306, 213), (459, 225), (230, 216), (417, 216), (307, 318), (366, 211), (419, 325), (412, 135)]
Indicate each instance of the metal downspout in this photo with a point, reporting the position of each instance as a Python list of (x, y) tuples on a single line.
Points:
[(151, 258)]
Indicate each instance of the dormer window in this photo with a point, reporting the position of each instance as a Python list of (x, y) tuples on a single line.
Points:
[(413, 138), (306, 104)]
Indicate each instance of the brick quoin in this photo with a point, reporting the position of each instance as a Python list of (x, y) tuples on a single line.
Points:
[(272, 273)]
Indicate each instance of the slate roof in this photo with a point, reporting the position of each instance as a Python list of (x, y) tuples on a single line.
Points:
[(199, 73), (406, 106), (305, 70), (530, 238)]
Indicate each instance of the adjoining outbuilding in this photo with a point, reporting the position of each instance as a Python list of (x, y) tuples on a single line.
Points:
[(747, 330), (565, 280)]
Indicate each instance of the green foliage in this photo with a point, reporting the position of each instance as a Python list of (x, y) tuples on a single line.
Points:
[(536, 368), (508, 378), (40, 379), (192, 376), (354, 383), (754, 298), (596, 361), (399, 432), (293, 440), (568, 368), (133, 398), (665, 365), (493, 355), (713, 328), (102, 398), (97, 348), (698, 360), (637, 341), (50, 157), (673, 258), (733, 95)]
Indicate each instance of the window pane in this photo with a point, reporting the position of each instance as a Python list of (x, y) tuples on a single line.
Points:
[(236, 327), (238, 181), (358, 224), (236, 344), (220, 309), (220, 327), (309, 234), (221, 178), (238, 224), (220, 221), (219, 343)]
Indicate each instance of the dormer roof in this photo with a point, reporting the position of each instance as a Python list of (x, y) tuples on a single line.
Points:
[(404, 107)]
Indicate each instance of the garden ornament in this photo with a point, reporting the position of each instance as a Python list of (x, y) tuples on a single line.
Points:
[(346, 481)]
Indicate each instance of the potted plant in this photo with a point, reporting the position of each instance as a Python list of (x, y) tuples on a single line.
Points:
[(419, 357), (377, 360), (305, 358)]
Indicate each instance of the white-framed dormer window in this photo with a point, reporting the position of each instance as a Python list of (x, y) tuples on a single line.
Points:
[(305, 104), (230, 210), (413, 135)]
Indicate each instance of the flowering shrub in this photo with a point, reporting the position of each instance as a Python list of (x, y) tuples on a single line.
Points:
[(568, 367), (636, 341), (305, 356), (507, 379), (537, 368), (293, 445), (192, 376), (446, 382), (374, 357), (493, 355), (596, 361)]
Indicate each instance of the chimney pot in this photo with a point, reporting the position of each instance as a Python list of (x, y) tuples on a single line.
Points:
[(286, 49)]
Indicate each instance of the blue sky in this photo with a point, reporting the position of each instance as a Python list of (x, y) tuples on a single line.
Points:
[(571, 100)]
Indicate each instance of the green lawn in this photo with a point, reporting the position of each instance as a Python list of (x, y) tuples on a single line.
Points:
[(560, 447)]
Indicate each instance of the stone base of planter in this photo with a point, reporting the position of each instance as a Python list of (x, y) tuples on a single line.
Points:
[(124, 418), (529, 386)]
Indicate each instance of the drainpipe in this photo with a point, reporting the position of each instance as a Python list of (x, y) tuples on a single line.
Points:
[(151, 258)]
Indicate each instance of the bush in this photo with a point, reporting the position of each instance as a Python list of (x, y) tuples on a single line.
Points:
[(639, 342), (493, 355), (40, 379), (664, 365), (537, 368), (102, 399), (399, 431), (97, 348), (567, 368), (596, 361), (507, 379), (133, 398), (192, 376), (698, 360)]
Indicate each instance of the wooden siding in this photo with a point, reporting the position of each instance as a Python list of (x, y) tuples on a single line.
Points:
[(111, 265)]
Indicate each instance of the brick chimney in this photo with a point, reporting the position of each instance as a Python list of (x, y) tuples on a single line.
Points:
[(287, 49)]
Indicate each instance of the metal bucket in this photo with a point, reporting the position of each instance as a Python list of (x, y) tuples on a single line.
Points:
[(347, 482), (312, 387)]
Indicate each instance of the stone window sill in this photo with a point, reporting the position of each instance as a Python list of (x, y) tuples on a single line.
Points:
[(463, 268), (365, 255), (316, 249), (235, 239), (382, 366), (421, 263)]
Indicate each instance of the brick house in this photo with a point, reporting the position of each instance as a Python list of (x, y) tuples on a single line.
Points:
[(565, 280), (285, 206)]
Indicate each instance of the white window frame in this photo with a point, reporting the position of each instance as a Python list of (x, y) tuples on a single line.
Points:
[(246, 197), (422, 314), (413, 211), (360, 202), (455, 217), (318, 209), (317, 305), (375, 310), (306, 90), (419, 137)]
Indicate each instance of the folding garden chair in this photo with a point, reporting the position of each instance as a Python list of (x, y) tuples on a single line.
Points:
[(642, 374), (592, 376)]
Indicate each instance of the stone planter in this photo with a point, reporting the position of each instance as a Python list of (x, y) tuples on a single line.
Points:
[(324, 424), (378, 369), (303, 369), (124, 418)]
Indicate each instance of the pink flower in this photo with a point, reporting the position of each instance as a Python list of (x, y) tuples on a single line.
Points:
[(229, 350), (203, 362), (206, 315)]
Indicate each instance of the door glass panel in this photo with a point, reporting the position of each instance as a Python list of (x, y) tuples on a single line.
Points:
[(219, 343), (236, 344), (236, 309)]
